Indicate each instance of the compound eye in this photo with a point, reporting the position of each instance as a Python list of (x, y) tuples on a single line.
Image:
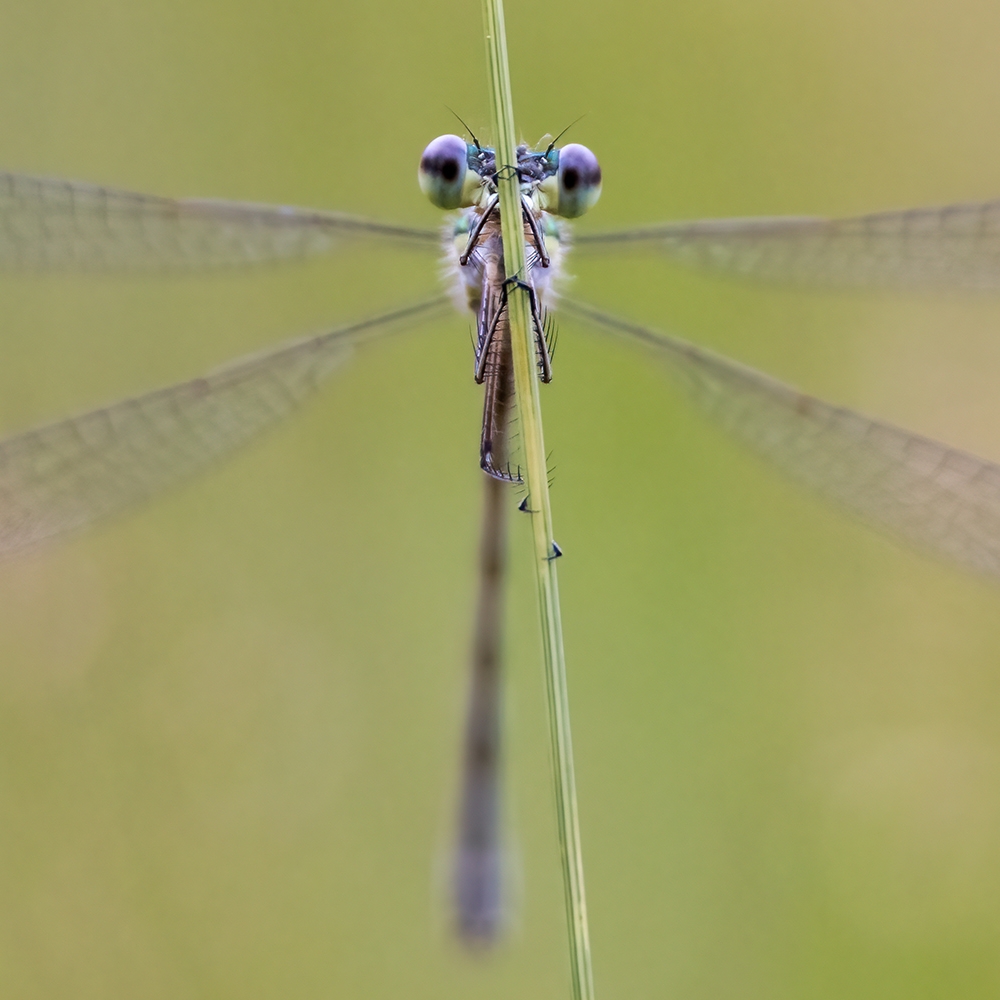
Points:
[(443, 170), (579, 181)]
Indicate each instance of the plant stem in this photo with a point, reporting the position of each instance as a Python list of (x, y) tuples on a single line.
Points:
[(536, 475)]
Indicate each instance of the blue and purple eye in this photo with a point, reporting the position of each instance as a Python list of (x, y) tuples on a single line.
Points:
[(576, 185), (444, 171)]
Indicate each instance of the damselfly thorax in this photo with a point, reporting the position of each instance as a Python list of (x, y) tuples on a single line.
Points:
[(474, 255), (456, 174)]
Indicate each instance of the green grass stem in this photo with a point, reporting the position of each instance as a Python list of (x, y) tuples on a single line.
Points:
[(536, 476)]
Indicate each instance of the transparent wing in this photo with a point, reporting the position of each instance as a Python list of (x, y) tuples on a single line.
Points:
[(48, 224), (63, 476), (957, 246), (937, 497)]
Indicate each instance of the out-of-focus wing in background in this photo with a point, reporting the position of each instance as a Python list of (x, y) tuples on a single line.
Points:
[(48, 224), (939, 498), (955, 246), (65, 475)]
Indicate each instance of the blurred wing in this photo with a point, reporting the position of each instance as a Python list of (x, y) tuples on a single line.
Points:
[(957, 246), (50, 224), (937, 497), (63, 476)]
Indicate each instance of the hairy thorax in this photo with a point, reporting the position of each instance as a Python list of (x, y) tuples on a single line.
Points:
[(485, 268)]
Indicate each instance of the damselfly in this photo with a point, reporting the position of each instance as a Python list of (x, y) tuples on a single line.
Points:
[(62, 476)]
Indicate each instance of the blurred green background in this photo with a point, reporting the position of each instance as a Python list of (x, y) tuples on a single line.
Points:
[(229, 723)]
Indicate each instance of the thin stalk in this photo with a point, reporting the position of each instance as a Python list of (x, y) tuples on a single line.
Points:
[(536, 475)]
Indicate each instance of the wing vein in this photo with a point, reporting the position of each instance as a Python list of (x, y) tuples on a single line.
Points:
[(48, 224), (62, 476), (934, 496), (951, 246)]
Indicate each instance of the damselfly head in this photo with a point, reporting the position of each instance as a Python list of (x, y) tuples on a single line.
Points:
[(444, 173), (575, 184)]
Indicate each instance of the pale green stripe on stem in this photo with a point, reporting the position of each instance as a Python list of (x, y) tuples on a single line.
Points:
[(529, 413)]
